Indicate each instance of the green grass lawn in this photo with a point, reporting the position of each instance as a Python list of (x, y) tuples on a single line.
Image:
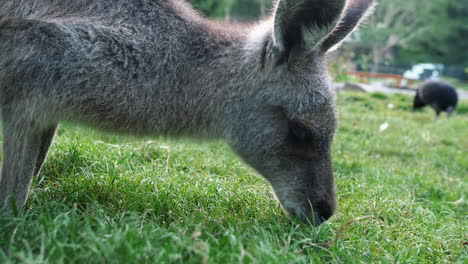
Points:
[(460, 86), (108, 199), (457, 83)]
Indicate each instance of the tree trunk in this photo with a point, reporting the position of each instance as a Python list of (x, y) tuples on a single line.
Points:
[(227, 14), (262, 8), (378, 55)]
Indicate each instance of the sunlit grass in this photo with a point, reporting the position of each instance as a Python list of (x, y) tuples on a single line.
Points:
[(109, 199)]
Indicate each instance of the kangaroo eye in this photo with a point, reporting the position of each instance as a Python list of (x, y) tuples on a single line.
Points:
[(299, 133)]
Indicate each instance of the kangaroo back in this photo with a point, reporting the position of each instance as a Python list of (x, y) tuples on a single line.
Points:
[(53, 8)]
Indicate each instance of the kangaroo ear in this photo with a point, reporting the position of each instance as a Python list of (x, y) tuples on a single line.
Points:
[(303, 24), (355, 12)]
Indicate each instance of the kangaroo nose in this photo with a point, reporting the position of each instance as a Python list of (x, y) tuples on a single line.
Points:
[(323, 210), (316, 214)]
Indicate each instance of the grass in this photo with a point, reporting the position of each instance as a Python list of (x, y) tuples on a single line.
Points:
[(109, 199), (461, 85), (458, 84)]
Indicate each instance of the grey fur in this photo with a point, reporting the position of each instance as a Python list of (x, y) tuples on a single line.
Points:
[(156, 67)]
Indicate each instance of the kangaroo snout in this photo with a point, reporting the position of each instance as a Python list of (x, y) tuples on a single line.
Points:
[(310, 203), (309, 212)]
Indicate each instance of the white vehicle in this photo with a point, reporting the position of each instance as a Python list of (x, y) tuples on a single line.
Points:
[(424, 71)]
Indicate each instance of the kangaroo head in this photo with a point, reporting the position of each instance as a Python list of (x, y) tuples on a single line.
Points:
[(285, 127)]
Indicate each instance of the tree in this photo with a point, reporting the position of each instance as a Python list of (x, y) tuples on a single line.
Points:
[(446, 41), (237, 9), (214, 8), (413, 31), (395, 23), (250, 9)]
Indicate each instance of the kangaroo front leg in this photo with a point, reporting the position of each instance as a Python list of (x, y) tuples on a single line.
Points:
[(21, 147), (46, 139)]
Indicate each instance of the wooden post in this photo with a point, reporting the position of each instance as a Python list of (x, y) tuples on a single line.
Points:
[(398, 82)]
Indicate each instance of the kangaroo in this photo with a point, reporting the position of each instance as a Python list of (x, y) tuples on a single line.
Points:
[(156, 67)]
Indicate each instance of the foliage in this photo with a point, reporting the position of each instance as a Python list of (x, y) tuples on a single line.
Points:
[(428, 31), (107, 199), (446, 41), (403, 31), (236, 9), (394, 23), (251, 9), (213, 8), (340, 65)]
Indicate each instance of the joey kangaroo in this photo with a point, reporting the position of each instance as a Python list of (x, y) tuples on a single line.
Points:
[(157, 67)]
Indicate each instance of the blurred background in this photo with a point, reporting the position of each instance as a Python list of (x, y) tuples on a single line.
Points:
[(403, 43)]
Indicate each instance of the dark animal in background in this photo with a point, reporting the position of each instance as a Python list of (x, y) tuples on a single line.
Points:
[(439, 95), (157, 67)]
